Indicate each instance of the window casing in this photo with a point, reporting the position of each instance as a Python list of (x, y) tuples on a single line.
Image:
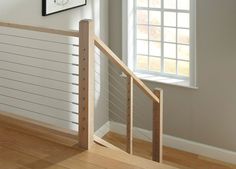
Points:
[(159, 38)]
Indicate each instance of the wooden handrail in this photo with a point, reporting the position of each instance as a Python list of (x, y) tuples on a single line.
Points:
[(40, 29), (116, 60)]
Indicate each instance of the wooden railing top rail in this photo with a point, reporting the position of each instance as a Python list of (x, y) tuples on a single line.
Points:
[(41, 29), (116, 60)]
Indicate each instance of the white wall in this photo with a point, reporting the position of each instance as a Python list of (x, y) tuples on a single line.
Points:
[(29, 12), (206, 115), (101, 66)]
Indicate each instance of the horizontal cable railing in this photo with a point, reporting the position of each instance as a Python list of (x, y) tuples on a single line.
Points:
[(38, 39), (40, 29), (39, 74)]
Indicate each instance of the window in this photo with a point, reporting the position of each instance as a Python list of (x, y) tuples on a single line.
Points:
[(163, 37)]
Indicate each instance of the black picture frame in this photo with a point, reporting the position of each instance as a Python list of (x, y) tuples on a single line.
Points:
[(44, 8)]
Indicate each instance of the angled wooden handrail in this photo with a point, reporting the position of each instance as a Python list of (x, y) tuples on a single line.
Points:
[(40, 29), (116, 60)]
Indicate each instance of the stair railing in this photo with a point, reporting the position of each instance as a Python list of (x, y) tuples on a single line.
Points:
[(88, 41)]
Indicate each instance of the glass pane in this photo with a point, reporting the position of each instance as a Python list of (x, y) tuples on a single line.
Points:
[(142, 62), (183, 36), (154, 64), (155, 49), (183, 52), (170, 66), (170, 35), (142, 17), (142, 3), (155, 3), (183, 68), (170, 50), (184, 4), (170, 4), (170, 19), (155, 18), (142, 32), (155, 33), (142, 47), (183, 20)]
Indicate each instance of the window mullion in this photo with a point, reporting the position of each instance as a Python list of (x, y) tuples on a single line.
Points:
[(177, 37), (192, 61), (148, 37), (162, 36), (135, 35)]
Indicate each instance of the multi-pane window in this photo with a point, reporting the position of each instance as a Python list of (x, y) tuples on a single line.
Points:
[(163, 37)]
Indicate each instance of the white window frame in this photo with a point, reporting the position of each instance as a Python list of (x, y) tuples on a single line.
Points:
[(129, 45)]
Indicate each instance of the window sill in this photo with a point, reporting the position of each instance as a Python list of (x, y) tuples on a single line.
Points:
[(165, 80)]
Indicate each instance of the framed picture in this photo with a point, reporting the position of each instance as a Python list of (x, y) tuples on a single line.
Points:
[(54, 6)]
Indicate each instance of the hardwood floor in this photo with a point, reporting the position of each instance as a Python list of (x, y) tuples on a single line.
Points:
[(180, 159), (23, 151)]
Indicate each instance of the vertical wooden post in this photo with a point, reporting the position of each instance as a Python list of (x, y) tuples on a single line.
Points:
[(157, 127), (86, 83), (130, 101)]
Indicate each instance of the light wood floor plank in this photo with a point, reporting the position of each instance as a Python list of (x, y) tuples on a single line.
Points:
[(173, 157), (23, 151)]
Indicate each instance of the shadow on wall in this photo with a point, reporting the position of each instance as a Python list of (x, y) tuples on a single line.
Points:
[(101, 65)]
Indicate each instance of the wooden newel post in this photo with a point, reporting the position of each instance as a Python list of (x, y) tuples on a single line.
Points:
[(130, 100), (86, 83), (157, 127)]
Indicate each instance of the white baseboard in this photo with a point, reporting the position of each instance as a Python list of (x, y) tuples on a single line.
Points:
[(200, 149), (137, 132), (173, 142), (102, 131)]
